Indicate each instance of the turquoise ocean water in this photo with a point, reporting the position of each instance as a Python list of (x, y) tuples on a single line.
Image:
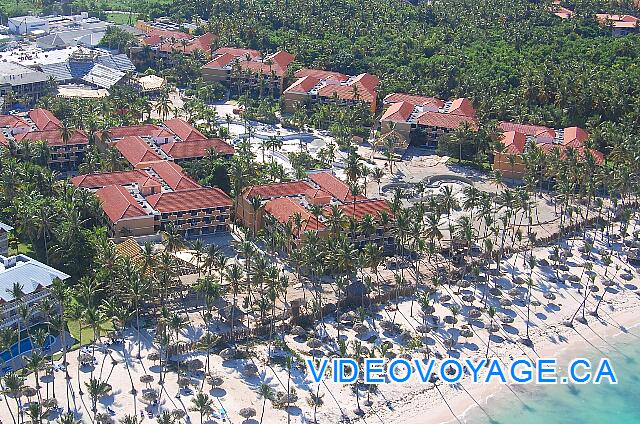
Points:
[(575, 404)]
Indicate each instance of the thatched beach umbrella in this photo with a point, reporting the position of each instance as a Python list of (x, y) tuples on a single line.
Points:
[(505, 303), (428, 309), (150, 396), (250, 369), (146, 379), (493, 328), (449, 343), (184, 382), (608, 283), (445, 298), (495, 292), (360, 329), (506, 319), (247, 413), (469, 298), (549, 296), (50, 403), (475, 313), (518, 280), (195, 364), (153, 356), (178, 414), (314, 344), (29, 392), (449, 319), (514, 292), (466, 333), (535, 302), (228, 353), (423, 329), (298, 331), (215, 380), (86, 357)]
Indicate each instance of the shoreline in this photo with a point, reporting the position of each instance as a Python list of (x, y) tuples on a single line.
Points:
[(626, 318)]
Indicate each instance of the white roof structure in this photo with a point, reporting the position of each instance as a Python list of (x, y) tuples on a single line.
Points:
[(5, 227), (32, 275)]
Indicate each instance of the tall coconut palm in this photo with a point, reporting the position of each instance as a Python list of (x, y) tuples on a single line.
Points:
[(202, 404)]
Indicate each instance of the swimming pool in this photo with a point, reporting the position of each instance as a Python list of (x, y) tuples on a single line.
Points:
[(24, 346)]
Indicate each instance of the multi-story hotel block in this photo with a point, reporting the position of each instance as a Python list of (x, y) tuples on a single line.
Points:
[(421, 120), (246, 69), (307, 206), (318, 86), (516, 138), (194, 212), (34, 279)]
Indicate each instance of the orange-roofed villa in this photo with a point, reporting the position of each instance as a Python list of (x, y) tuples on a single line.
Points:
[(516, 139), (421, 119)]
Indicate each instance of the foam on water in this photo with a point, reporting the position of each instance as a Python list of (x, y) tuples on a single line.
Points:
[(575, 404)]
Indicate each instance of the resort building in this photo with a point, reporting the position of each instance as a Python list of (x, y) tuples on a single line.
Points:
[(248, 70), (34, 279), (422, 120), (619, 24), (185, 151), (139, 152), (145, 183), (516, 138), (64, 155), (14, 124), (4, 238), (161, 43), (194, 212), (157, 134), (317, 86), (18, 80), (307, 205), (127, 211), (560, 11)]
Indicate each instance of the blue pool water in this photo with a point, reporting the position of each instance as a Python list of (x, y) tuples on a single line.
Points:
[(576, 404), (24, 346)]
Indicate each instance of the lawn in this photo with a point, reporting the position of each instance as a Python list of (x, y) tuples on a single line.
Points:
[(87, 332), (121, 18)]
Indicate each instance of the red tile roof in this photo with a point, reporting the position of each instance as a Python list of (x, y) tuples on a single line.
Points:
[(575, 137), (118, 203), (262, 68), (238, 52), (372, 207), (147, 130), (173, 175), (54, 137), (136, 150), (462, 106), (398, 112), (283, 210), (197, 149), (184, 130), (527, 129), (156, 36), (44, 119), (281, 58), (103, 179), (617, 21), (445, 120), (514, 142), (321, 74), (331, 184), (267, 191), (188, 200), (302, 85), (220, 61), (13, 121), (345, 92), (4, 141), (202, 43), (413, 99)]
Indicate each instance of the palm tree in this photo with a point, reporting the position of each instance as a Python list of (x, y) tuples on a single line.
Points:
[(234, 276), (13, 385), (68, 418), (492, 313), (265, 392), (202, 404), (96, 389)]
